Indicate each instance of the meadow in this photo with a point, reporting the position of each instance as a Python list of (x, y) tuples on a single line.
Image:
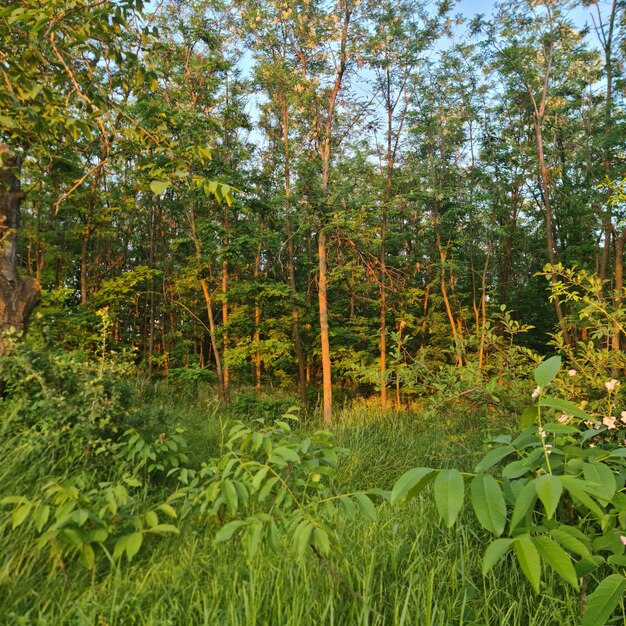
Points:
[(403, 568)]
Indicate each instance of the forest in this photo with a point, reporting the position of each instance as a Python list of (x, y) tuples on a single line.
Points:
[(312, 312)]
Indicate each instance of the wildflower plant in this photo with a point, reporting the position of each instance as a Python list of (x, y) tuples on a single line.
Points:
[(553, 496)]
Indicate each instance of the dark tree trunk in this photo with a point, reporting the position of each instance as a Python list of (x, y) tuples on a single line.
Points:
[(17, 296)]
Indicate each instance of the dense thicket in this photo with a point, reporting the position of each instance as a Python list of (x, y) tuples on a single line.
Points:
[(270, 193)]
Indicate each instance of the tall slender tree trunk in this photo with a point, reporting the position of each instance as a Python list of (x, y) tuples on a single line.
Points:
[(295, 321), (551, 245), (257, 322), (206, 292), (327, 388), (17, 296)]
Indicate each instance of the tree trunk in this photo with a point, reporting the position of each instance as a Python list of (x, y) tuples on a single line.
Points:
[(17, 296), (324, 335)]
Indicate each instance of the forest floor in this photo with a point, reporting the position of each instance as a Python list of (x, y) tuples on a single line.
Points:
[(404, 568)]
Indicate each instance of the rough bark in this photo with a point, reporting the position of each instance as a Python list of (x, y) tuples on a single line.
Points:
[(18, 296)]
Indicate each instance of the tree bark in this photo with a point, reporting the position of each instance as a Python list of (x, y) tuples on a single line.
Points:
[(17, 296)]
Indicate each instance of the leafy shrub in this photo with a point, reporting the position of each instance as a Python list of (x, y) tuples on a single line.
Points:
[(274, 486), (560, 495)]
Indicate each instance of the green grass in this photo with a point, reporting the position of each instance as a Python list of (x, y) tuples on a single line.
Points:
[(403, 569)]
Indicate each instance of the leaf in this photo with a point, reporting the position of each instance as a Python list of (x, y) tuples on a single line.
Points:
[(229, 493), (570, 542), (524, 503), (365, 505), (228, 530), (133, 544), (494, 457), (320, 541), (494, 553), (547, 370), (168, 509), (411, 483), (557, 559), (564, 406), (158, 186), (253, 538), (488, 503), (20, 514), (579, 489), (449, 491), (602, 602), (302, 537), (152, 519), (529, 560), (603, 478), (87, 556), (267, 488), (161, 529), (549, 489), (529, 416), (41, 515)]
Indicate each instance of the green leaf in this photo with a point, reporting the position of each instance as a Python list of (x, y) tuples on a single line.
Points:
[(603, 601), (320, 541), (158, 186), (529, 416), (529, 560), (557, 559), (365, 505), (524, 503), (549, 489), (41, 515), (133, 544), (411, 483), (603, 478), (152, 519), (564, 406), (228, 530), (571, 543), (168, 509), (87, 556), (449, 491), (547, 370), (161, 529), (267, 488), (493, 457), (579, 489), (229, 493), (302, 537), (494, 553), (20, 514), (488, 503)]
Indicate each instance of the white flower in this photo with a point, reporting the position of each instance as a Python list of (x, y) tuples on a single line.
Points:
[(563, 419), (609, 422), (542, 432), (612, 384), (572, 372), (536, 393), (623, 417)]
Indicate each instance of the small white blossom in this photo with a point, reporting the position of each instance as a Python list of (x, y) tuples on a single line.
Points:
[(536, 393), (563, 419), (609, 422), (612, 384), (623, 417), (542, 432), (572, 372)]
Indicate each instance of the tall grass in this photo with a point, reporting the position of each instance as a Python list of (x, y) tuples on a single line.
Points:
[(403, 569)]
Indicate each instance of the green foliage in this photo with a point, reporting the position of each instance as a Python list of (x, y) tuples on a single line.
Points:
[(559, 488), (277, 489), (70, 520)]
